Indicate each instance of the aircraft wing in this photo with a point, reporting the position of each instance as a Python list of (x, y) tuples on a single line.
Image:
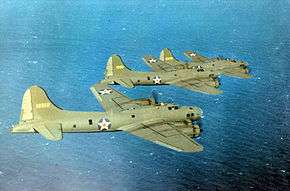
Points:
[(51, 132), (238, 74), (195, 57), (159, 65), (164, 134), (197, 86), (110, 99)]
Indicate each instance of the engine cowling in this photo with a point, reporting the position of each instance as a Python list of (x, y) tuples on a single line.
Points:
[(193, 131), (196, 130)]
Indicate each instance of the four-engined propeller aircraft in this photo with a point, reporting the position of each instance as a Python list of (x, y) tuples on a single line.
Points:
[(219, 66), (165, 124), (192, 79)]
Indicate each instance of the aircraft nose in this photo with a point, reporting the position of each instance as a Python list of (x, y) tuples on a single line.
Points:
[(199, 112), (195, 113)]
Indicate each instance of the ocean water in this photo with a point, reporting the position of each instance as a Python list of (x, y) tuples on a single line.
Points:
[(63, 46)]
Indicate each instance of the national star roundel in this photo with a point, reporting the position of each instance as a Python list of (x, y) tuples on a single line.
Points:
[(157, 80), (105, 91), (192, 54), (152, 60), (104, 124)]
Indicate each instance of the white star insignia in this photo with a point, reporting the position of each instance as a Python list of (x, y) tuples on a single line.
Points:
[(152, 60), (157, 80), (105, 91), (192, 54), (104, 124)]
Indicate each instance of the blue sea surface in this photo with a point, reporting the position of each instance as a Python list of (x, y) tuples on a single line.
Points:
[(63, 46)]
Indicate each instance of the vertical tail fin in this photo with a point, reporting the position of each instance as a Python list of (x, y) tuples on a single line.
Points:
[(116, 67), (166, 55), (36, 105)]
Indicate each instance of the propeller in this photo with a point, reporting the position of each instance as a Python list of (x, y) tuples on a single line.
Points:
[(199, 123)]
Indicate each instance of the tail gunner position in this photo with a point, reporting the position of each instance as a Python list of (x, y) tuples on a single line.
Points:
[(165, 124)]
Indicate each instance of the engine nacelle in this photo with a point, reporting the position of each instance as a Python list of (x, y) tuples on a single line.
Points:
[(193, 131), (196, 130)]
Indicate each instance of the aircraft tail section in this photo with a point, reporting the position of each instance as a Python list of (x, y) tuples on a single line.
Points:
[(166, 55), (36, 105), (36, 112), (116, 67)]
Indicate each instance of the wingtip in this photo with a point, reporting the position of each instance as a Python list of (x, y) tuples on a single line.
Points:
[(196, 149), (188, 51), (214, 92), (219, 92)]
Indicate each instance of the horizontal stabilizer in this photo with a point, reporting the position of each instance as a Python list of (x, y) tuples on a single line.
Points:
[(51, 132), (125, 82)]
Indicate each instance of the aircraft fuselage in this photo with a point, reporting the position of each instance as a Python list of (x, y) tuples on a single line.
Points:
[(166, 78), (71, 121)]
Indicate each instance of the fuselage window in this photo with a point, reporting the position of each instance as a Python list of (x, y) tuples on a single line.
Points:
[(175, 107), (90, 122), (133, 116), (74, 126), (169, 108), (138, 80), (148, 78)]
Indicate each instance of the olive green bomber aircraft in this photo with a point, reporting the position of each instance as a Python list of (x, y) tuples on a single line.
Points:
[(167, 62), (200, 81), (165, 124)]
